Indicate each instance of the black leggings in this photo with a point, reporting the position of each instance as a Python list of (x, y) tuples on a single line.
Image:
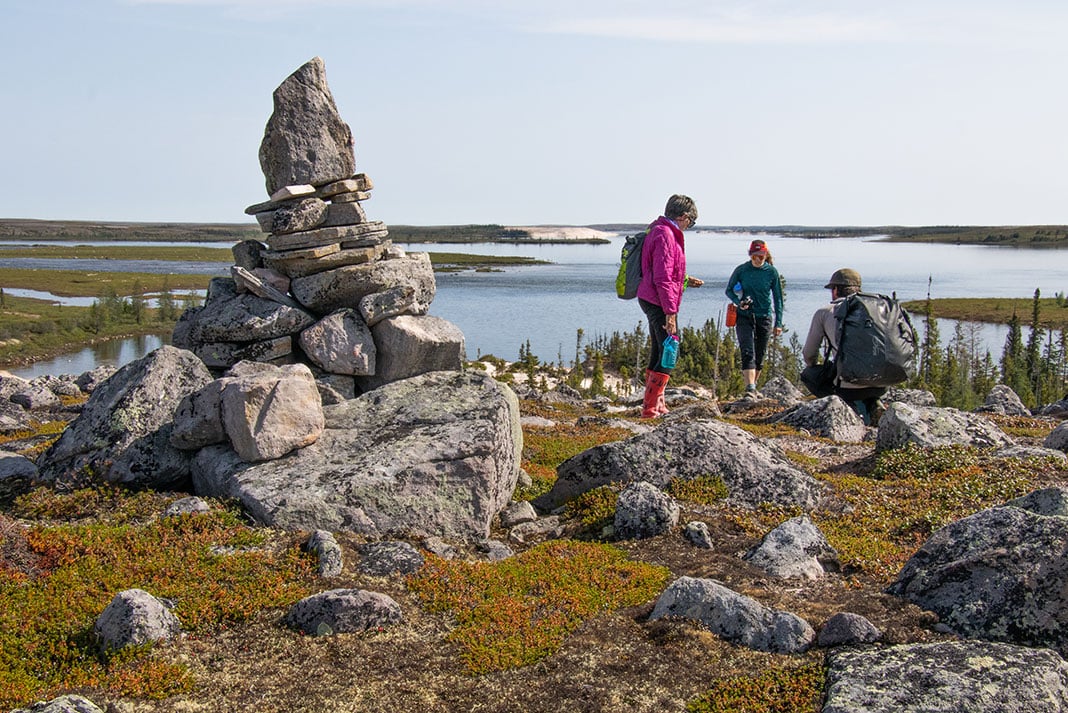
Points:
[(656, 330), (753, 334)]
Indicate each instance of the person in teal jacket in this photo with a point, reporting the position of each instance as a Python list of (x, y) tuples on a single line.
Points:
[(756, 289)]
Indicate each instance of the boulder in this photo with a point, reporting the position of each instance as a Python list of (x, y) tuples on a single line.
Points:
[(123, 431), (342, 611), (1058, 438), (63, 704), (247, 318), (1003, 400), (410, 345), (753, 472), (999, 575), (644, 510), (780, 389), (12, 465), (62, 385), (698, 534), (390, 303), (13, 418), (222, 355), (340, 343), (947, 677), (198, 418), (327, 291), (845, 628), (296, 215), (830, 417), (381, 559), (437, 454), (1057, 409), (1051, 502), (517, 513), (248, 254), (36, 397), (268, 414), (335, 388), (912, 397), (1029, 453), (11, 385), (795, 548), (327, 550), (135, 617), (734, 617), (187, 506), (88, 381), (933, 427), (302, 263), (305, 140), (543, 529)]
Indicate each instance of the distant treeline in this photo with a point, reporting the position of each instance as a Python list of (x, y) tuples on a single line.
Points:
[(44, 230)]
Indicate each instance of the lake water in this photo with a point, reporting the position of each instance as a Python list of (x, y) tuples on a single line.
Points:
[(546, 304)]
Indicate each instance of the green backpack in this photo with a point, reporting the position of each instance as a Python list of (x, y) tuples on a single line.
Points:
[(629, 275)]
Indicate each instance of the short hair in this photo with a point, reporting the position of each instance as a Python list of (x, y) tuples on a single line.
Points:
[(679, 205)]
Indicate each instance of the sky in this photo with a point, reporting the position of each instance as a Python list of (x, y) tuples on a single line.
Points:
[(577, 112)]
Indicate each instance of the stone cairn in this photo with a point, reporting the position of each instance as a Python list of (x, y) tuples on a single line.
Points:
[(328, 289)]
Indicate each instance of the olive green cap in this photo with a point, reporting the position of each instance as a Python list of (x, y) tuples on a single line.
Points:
[(844, 278)]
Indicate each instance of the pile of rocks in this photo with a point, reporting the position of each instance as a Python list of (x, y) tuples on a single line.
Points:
[(326, 287)]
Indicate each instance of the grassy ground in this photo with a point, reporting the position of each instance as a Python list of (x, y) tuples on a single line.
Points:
[(562, 626), (1019, 236), (997, 310)]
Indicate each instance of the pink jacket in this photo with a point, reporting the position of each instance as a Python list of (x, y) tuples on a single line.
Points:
[(663, 266)]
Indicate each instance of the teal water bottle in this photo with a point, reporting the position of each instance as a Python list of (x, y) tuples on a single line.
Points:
[(670, 353)]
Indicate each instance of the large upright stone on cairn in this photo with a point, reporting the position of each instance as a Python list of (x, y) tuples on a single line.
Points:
[(305, 141), (123, 432)]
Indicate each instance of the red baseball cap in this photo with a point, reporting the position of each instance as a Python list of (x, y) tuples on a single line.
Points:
[(758, 247)]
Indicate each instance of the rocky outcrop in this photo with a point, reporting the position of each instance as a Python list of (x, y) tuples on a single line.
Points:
[(999, 575), (949, 677), (123, 432), (135, 617), (1058, 438), (1003, 400), (830, 417), (753, 472), (845, 628), (795, 548), (343, 611), (644, 510), (63, 704), (936, 427), (735, 617), (436, 454)]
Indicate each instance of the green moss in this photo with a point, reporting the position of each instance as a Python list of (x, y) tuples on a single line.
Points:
[(518, 611), (65, 574), (797, 689), (704, 490)]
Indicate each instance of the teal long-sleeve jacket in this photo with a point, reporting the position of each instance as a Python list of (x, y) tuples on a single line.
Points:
[(762, 284)]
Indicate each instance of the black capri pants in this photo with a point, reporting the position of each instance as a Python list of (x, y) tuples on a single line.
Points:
[(656, 316), (753, 334)]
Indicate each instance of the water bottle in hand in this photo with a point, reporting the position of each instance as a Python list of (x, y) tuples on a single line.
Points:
[(669, 355)]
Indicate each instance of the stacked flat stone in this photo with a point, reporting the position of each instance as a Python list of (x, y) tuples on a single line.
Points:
[(326, 286)]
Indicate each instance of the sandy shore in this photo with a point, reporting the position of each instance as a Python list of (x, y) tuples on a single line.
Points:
[(562, 232)]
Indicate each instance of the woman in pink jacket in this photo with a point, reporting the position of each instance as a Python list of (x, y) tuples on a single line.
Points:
[(660, 291)]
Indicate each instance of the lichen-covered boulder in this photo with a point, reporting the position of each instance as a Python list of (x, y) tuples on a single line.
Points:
[(644, 510), (931, 427), (342, 611), (830, 417), (1000, 575), (734, 617), (135, 617), (123, 432), (753, 472), (947, 677), (437, 454)]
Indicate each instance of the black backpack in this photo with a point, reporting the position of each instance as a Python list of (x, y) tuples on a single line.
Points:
[(629, 275), (876, 341)]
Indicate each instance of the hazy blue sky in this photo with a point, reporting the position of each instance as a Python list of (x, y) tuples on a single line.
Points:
[(912, 112)]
